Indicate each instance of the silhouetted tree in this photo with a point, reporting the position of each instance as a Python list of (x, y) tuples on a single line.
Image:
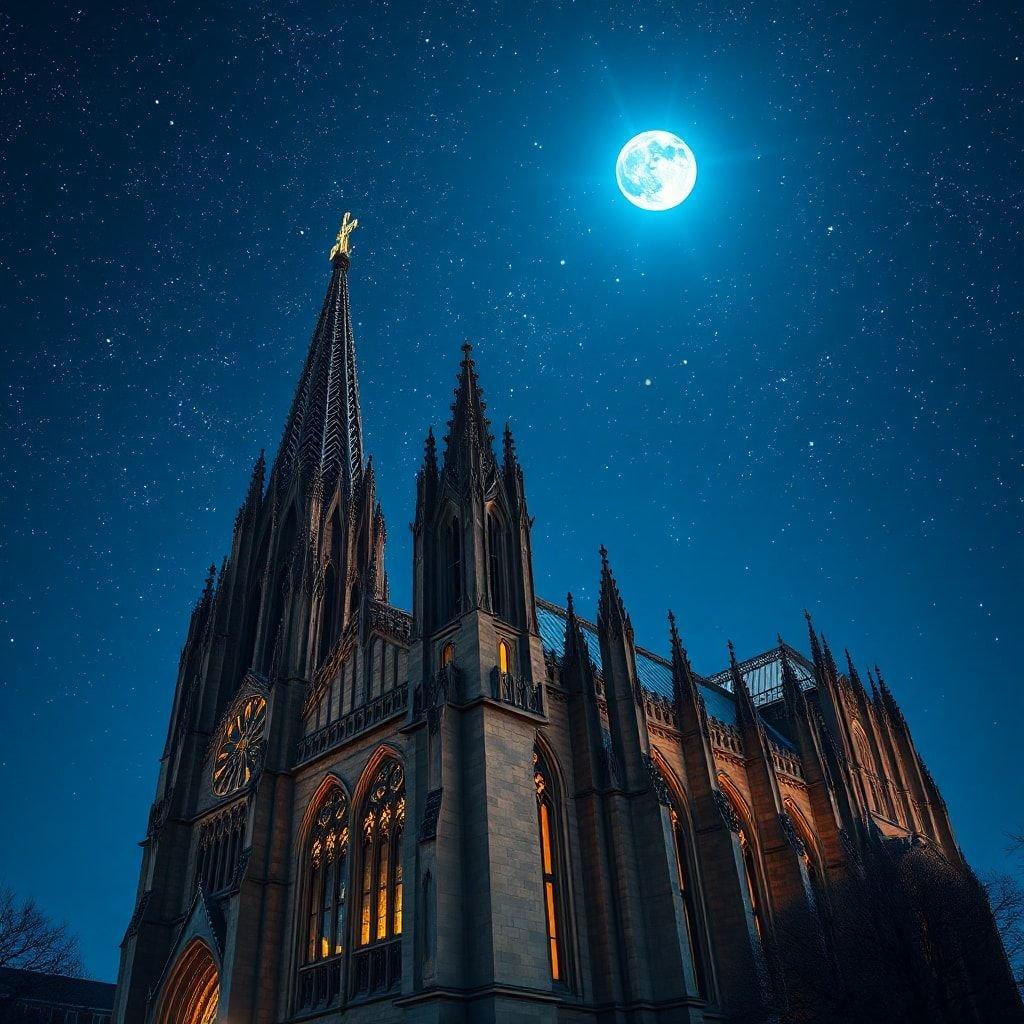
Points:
[(906, 938), (31, 945)]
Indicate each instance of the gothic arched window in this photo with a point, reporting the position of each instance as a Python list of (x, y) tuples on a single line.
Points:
[(749, 860), (447, 654), (504, 658), (327, 853), (684, 868), (496, 565), (863, 751), (454, 546), (383, 822), (551, 868), (809, 853), (324, 899)]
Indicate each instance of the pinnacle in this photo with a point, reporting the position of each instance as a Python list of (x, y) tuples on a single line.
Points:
[(610, 606), (469, 435)]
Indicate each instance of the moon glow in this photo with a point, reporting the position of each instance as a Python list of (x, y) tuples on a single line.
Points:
[(656, 170)]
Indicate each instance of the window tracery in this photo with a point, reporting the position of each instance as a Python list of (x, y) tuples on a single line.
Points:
[(382, 826), (327, 891)]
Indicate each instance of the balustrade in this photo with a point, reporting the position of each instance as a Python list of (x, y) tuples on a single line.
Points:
[(518, 692), (364, 717)]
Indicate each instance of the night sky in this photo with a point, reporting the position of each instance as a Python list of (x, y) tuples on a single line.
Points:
[(803, 387)]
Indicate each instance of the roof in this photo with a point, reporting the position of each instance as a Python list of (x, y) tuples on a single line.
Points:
[(56, 989), (762, 673)]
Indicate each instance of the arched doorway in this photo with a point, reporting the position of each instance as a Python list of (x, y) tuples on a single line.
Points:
[(191, 993)]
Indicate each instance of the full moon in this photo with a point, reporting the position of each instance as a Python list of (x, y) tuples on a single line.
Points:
[(656, 170)]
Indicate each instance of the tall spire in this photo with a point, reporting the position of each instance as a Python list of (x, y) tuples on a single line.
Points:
[(469, 436), (610, 609), (324, 433)]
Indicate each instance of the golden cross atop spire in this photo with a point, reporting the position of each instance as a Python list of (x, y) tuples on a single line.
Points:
[(341, 243)]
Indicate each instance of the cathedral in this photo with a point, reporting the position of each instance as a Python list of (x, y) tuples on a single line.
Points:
[(498, 808)]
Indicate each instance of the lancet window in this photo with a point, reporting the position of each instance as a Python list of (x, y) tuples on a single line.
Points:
[(687, 890), (551, 866), (497, 574), (328, 868), (382, 827), (323, 924)]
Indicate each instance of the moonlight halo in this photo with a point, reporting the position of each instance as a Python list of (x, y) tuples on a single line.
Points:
[(656, 170)]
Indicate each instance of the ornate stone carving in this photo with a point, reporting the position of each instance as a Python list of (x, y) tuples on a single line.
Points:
[(137, 913), (658, 784), (431, 812), (158, 817), (240, 868), (727, 811), (391, 622), (792, 833)]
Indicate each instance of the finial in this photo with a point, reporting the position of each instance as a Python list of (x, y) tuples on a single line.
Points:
[(604, 555), (342, 246), (467, 348), (732, 652), (672, 625)]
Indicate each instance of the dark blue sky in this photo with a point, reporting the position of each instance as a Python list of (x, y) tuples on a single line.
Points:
[(802, 387)]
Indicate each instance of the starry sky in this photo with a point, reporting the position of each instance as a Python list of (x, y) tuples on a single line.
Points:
[(803, 387)]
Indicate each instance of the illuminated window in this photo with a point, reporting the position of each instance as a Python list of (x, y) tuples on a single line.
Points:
[(504, 660), (380, 916), (327, 887), (447, 655), (192, 992), (547, 821)]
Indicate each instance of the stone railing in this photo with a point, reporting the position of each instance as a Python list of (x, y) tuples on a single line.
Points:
[(520, 693), (660, 710), (319, 985), (377, 969), (786, 761), (441, 688), (725, 737), (358, 720)]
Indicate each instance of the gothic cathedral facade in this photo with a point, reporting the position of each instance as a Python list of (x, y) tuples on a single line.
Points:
[(490, 809)]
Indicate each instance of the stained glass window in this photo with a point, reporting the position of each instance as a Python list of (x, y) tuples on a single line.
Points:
[(328, 859), (380, 916), (547, 823)]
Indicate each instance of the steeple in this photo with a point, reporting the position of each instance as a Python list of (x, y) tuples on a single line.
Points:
[(469, 442), (324, 433)]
